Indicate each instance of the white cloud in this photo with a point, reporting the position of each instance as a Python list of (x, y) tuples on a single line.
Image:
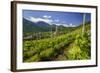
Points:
[(58, 24), (47, 16), (67, 25), (49, 21), (71, 25), (33, 19)]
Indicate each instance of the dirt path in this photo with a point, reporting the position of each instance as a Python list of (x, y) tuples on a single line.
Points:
[(63, 53)]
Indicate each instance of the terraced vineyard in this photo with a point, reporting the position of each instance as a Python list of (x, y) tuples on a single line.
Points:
[(70, 46)]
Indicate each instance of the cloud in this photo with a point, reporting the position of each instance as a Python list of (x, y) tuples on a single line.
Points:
[(50, 21), (47, 16), (33, 19), (67, 25), (71, 25), (58, 24)]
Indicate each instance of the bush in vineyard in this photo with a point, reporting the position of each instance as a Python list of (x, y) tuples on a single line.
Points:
[(47, 54), (33, 58), (81, 48)]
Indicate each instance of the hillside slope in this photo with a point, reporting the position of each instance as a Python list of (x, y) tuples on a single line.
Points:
[(70, 46)]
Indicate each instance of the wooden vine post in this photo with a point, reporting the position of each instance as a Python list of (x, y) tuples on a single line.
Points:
[(83, 29)]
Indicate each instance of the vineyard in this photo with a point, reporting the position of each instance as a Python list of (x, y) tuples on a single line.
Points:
[(71, 45)]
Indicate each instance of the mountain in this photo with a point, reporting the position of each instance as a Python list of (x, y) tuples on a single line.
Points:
[(29, 26), (41, 26)]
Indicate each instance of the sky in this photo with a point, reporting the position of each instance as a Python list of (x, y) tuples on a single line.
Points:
[(59, 18)]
